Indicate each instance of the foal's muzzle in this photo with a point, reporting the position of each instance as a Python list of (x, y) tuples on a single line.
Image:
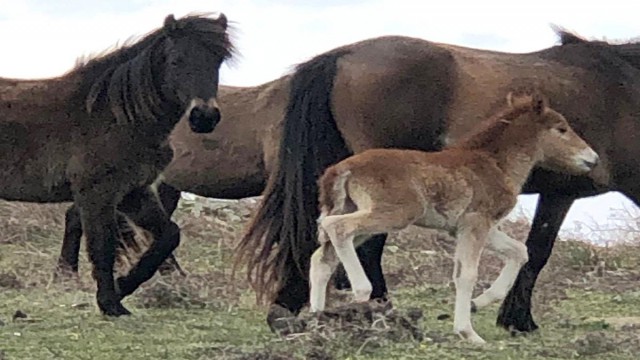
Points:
[(204, 118)]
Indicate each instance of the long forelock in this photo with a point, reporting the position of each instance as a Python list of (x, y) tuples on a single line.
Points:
[(123, 74)]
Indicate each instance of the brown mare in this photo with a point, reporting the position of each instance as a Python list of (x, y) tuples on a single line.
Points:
[(98, 135), (410, 93), (466, 190)]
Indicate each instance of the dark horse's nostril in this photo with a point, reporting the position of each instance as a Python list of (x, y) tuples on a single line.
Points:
[(590, 164), (203, 119)]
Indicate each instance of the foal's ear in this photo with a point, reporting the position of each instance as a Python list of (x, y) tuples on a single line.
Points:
[(170, 23), (539, 103)]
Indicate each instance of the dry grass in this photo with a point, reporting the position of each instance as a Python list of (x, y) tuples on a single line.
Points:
[(210, 315)]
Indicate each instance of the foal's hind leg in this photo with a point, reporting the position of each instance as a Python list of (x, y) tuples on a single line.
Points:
[(323, 262), (514, 254), (165, 232), (342, 229)]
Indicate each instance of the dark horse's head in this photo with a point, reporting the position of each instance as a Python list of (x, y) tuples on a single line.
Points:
[(169, 73), (191, 67)]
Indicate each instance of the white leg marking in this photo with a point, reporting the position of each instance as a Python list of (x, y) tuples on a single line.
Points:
[(514, 254), (469, 247), (342, 241)]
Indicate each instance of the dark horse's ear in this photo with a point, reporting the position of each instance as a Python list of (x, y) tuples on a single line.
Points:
[(222, 20), (538, 102), (170, 23)]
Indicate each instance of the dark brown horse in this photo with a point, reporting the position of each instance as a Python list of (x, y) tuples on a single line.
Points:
[(410, 93), (230, 162), (98, 135)]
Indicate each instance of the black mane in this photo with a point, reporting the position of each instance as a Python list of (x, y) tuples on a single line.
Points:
[(629, 50), (122, 78)]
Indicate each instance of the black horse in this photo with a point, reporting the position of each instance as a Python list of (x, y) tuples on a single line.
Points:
[(98, 136)]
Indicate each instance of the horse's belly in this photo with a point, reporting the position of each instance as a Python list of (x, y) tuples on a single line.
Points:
[(45, 188)]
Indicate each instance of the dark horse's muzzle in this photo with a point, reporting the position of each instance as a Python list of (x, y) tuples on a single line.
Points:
[(204, 118)]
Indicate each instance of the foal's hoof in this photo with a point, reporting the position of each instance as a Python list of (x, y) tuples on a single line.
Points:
[(115, 310), (474, 308)]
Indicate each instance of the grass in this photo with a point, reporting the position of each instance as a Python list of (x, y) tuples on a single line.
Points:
[(587, 302)]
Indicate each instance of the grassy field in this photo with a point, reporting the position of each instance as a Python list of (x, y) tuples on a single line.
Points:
[(587, 302)]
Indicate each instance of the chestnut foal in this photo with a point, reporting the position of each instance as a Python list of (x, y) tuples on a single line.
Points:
[(466, 190)]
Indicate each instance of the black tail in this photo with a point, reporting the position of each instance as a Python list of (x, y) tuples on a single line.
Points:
[(279, 242)]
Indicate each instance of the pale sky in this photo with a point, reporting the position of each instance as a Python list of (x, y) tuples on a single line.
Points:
[(43, 38)]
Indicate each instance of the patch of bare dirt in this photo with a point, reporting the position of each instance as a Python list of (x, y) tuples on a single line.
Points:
[(210, 290), (10, 281), (355, 322)]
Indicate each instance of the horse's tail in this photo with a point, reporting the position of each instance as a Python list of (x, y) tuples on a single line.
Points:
[(282, 236)]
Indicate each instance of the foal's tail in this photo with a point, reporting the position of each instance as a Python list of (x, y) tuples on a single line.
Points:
[(333, 191), (282, 236)]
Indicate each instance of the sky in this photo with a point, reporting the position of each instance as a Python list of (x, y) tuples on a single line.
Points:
[(43, 38)]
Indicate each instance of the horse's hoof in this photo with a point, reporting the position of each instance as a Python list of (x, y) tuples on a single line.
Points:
[(516, 325), (114, 309), (283, 322)]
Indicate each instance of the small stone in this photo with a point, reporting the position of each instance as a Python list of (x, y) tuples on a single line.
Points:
[(443, 317)]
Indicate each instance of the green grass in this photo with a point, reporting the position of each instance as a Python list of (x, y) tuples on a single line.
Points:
[(211, 316)]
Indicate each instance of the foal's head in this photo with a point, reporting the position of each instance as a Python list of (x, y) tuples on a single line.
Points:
[(560, 148), (195, 48)]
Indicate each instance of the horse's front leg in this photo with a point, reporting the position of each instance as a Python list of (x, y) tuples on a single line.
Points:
[(99, 224), (142, 207), (515, 312)]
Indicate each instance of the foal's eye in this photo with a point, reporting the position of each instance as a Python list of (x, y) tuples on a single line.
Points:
[(562, 130)]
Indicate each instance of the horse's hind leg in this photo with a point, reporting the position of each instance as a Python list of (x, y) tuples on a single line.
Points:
[(142, 207), (68, 260), (514, 254)]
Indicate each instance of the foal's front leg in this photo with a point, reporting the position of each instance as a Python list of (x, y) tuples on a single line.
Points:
[(514, 255), (471, 238)]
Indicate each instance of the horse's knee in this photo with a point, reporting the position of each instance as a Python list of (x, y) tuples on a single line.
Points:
[(171, 236)]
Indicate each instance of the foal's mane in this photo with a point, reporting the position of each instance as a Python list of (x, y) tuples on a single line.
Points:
[(122, 78), (488, 130)]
